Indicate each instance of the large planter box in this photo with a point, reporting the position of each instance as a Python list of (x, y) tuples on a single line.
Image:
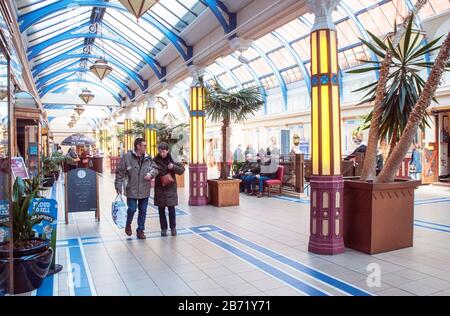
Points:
[(223, 192), (378, 217)]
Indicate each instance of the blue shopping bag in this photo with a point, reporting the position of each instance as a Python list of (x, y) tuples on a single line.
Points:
[(119, 212)]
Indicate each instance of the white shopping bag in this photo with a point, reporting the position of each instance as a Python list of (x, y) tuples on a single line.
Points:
[(119, 212)]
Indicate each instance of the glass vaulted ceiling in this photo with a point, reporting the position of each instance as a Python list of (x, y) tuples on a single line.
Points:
[(275, 60), (54, 38), (283, 56)]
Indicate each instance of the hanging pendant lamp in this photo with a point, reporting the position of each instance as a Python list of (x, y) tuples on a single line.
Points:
[(86, 96), (138, 7), (101, 69), (79, 109)]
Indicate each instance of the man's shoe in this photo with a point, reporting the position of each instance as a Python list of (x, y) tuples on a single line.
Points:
[(173, 231), (164, 233), (260, 195), (128, 230), (140, 235)]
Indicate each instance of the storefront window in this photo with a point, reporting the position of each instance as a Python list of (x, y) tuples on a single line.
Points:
[(5, 231)]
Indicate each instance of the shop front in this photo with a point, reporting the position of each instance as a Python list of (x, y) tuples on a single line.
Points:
[(5, 160)]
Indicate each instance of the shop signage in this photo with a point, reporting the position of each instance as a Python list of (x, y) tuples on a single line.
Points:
[(47, 210), (18, 168), (304, 147), (82, 192), (4, 220)]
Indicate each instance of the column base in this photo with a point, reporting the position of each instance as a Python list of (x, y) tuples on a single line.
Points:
[(326, 215), (198, 185), (325, 246)]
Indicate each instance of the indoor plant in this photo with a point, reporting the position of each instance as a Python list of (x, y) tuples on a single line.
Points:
[(379, 211), (51, 167), (31, 256), (226, 107)]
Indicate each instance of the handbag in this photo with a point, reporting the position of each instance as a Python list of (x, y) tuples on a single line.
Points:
[(166, 179)]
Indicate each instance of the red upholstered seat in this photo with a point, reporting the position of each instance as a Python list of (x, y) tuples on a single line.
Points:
[(271, 182), (278, 181)]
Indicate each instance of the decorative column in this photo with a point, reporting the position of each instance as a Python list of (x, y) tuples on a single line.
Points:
[(128, 127), (197, 169), (150, 130), (327, 184)]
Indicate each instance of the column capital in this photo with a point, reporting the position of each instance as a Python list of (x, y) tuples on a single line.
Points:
[(240, 44), (151, 101), (196, 72), (322, 10)]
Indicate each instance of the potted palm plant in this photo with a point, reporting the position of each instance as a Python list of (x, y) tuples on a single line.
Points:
[(51, 167), (226, 107), (31, 256), (378, 210)]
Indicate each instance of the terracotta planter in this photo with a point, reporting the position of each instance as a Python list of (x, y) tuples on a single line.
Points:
[(223, 192), (379, 217)]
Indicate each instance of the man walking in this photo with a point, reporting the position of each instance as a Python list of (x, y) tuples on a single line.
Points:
[(137, 168)]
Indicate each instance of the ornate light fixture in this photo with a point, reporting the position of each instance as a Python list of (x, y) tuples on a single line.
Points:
[(86, 95), (101, 69), (138, 7), (79, 109)]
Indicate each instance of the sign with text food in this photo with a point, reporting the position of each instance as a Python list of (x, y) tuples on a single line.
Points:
[(47, 210), (18, 168), (81, 190), (4, 220)]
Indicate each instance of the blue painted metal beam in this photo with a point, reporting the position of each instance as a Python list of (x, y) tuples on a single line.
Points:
[(361, 30), (226, 18), (255, 77), (113, 80), (230, 73), (297, 59), (28, 19), (277, 74), (35, 50), (48, 89), (41, 67), (122, 85)]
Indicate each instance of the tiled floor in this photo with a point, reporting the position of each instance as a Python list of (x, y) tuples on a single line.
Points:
[(258, 248)]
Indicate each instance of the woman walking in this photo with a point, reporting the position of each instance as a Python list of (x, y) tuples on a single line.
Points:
[(166, 187)]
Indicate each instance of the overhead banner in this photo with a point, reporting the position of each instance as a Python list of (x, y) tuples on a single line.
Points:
[(47, 210)]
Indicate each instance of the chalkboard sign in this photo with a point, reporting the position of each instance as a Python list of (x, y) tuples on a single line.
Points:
[(82, 192)]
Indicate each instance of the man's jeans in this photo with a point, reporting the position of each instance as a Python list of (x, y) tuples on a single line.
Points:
[(133, 204), (261, 182), (249, 182)]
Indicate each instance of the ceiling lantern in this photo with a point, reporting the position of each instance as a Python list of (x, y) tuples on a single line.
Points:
[(101, 69), (86, 96), (79, 109), (138, 7)]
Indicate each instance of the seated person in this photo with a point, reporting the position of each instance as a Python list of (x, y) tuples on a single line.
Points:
[(242, 170), (357, 139), (268, 171), (249, 177)]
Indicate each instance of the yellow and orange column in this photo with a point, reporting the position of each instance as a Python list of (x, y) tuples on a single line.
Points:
[(327, 184), (128, 127), (198, 190), (150, 131)]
